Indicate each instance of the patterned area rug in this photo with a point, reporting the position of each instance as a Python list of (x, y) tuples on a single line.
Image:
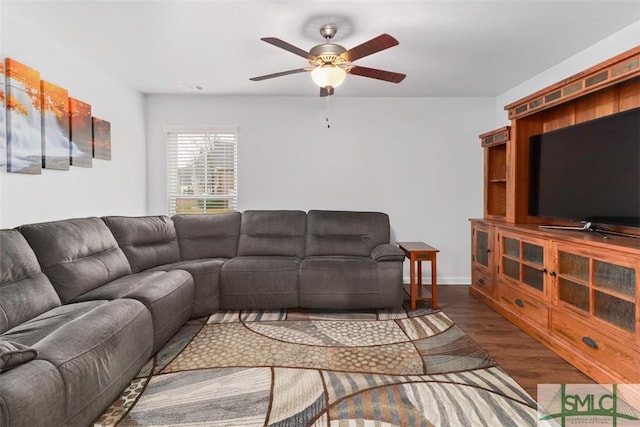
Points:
[(302, 368)]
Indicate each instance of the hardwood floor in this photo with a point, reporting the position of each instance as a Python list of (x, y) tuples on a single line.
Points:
[(525, 359)]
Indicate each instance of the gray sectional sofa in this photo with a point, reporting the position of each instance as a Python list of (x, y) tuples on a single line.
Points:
[(85, 302)]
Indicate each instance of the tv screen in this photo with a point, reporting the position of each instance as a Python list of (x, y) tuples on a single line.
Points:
[(588, 172)]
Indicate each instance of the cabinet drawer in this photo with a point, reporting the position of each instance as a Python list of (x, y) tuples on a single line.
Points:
[(529, 307), (596, 345), (482, 281)]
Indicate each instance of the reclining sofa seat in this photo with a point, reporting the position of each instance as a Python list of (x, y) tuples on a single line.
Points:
[(198, 244), (61, 364), (264, 274), (349, 262), (82, 260)]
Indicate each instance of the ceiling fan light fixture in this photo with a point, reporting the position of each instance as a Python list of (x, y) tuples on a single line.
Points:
[(329, 63), (328, 76)]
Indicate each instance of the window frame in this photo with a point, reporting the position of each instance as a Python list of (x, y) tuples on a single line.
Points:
[(173, 134)]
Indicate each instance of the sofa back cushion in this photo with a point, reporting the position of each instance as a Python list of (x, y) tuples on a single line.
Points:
[(345, 232), (147, 241), (25, 292), (77, 255), (273, 233), (208, 236)]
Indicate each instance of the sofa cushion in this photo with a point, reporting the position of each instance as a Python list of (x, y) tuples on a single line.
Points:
[(345, 232), (272, 233), (259, 282), (344, 282), (97, 355), (22, 388), (36, 329), (208, 236), (168, 295), (25, 291), (206, 282), (77, 255), (13, 354), (146, 241), (87, 354)]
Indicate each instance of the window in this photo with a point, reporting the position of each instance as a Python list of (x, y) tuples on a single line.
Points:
[(202, 171)]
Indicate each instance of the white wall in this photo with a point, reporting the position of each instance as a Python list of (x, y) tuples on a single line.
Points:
[(109, 187), (625, 39), (417, 159)]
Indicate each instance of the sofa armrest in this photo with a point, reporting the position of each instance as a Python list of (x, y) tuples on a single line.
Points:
[(387, 252), (13, 354)]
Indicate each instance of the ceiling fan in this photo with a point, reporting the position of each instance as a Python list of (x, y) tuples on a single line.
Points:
[(330, 62)]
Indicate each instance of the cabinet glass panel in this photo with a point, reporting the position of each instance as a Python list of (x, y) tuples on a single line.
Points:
[(533, 277), (532, 253), (511, 268), (574, 294), (615, 277), (511, 247), (573, 265), (615, 310), (482, 248)]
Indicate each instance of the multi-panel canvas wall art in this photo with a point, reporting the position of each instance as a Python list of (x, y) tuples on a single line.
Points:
[(101, 139), (80, 133), (55, 126), (24, 121), (42, 127), (3, 118)]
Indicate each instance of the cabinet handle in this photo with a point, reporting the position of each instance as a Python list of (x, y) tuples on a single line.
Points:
[(543, 270), (519, 303), (481, 281), (488, 250), (553, 274), (590, 342)]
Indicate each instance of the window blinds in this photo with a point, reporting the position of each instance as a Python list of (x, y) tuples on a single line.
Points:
[(202, 171)]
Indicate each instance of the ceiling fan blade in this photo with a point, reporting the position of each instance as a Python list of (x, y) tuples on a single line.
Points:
[(374, 73), (289, 47), (326, 91), (281, 73), (376, 44)]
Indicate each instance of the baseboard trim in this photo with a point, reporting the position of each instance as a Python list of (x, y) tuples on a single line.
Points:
[(426, 280)]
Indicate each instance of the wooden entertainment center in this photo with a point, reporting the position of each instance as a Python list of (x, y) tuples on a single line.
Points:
[(575, 292)]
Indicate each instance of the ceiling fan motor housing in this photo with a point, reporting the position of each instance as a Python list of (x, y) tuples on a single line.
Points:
[(328, 53)]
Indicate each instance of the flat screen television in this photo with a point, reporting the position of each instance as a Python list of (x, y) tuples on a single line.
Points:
[(588, 172)]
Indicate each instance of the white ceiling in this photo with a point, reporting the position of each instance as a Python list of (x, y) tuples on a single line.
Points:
[(447, 48)]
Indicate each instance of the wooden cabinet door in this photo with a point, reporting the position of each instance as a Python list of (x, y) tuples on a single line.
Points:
[(482, 258), (600, 286), (482, 247), (522, 261)]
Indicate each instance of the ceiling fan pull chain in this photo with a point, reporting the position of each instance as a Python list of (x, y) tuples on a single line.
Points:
[(326, 107)]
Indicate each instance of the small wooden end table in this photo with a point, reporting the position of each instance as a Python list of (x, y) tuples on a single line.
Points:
[(418, 252)]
